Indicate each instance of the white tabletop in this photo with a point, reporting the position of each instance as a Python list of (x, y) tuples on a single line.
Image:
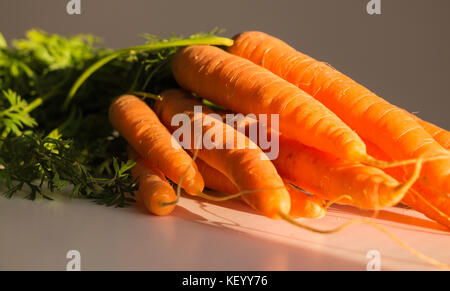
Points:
[(205, 236)]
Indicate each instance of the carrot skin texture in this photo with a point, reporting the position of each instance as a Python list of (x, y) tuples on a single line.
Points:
[(242, 166), (153, 189), (440, 135), (373, 118), (329, 177), (140, 126), (241, 86)]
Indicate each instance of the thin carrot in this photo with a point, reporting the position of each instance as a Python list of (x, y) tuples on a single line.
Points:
[(139, 125), (244, 167), (302, 205), (154, 190), (433, 205), (241, 86), (373, 118)]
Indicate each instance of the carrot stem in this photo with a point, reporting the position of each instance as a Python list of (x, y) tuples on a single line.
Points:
[(211, 40), (147, 95)]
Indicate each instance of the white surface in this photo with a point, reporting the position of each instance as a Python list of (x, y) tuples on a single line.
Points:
[(204, 236)]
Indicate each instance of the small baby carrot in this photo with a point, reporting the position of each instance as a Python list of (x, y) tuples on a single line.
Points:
[(154, 192)]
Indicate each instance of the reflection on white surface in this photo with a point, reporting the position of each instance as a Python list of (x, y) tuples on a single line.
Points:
[(201, 235)]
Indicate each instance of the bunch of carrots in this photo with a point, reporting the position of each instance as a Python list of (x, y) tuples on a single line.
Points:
[(338, 141)]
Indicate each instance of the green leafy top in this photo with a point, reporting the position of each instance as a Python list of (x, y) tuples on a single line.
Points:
[(54, 52), (14, 113), (36, 161), (55, 92)]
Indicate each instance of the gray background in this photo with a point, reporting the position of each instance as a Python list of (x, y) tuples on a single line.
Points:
[(403, 54)]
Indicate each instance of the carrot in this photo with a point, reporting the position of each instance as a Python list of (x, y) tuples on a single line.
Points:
[(433, 206), (215, 180), (302, 205), (155, 193), (440, 135), (330, 178), (237, 84), (139, 125), (244, 167), (419, 197), (373, 118)]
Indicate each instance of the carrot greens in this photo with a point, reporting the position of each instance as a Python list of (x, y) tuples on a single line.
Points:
[(54, 97)]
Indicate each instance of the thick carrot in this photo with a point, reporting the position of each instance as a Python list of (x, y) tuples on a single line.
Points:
[(373, 118), (155, 193), (244, 166), (139, 125), (419, 197), (331, 178), (241, 86), (302, 205)]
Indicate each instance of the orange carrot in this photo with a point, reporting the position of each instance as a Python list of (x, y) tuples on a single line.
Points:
[(373, 118), (331, 178), (436, 207), (440, 135), (419, 197), (239, 85), (215, 180), (302, 205), (244, 167), (155, 193), (139, 125)]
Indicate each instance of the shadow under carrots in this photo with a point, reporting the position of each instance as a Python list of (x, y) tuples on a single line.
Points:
[(405, 221), (228, 224), (209, 218)]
